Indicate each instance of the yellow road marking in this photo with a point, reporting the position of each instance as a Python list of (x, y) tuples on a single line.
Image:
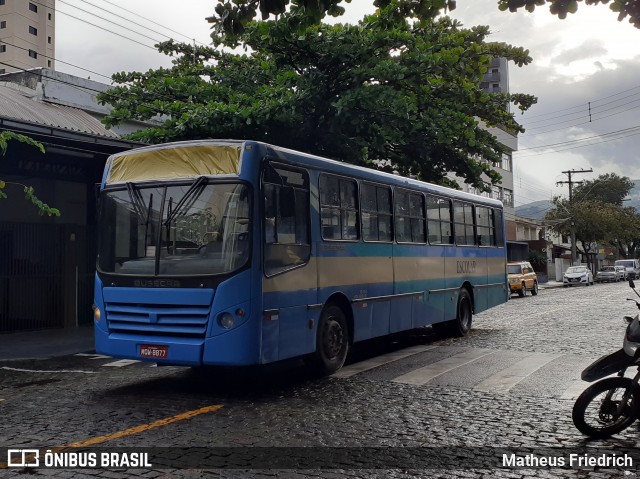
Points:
[(134, 430), (146, 427)]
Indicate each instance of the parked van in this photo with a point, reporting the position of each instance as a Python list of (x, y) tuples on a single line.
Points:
[(632, 266)]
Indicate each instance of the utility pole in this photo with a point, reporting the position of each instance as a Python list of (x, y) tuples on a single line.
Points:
[(573, 225)]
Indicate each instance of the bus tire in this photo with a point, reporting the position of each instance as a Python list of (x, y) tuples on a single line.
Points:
[(464, 315), (332, 341)]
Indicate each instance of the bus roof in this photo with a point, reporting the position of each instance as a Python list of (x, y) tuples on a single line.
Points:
[(228, 164)]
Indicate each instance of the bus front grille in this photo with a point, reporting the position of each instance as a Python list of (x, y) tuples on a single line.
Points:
[(157, 320)]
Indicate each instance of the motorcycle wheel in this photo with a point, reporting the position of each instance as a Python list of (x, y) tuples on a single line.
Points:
[(594, 413)]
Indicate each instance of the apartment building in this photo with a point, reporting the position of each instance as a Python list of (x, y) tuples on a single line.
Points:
[(27, 35), (496, 80)]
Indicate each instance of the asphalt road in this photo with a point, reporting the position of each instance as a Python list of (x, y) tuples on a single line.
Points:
[(415, 406)]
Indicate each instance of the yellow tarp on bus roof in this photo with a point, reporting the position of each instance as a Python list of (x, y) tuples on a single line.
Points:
[(176, 162)]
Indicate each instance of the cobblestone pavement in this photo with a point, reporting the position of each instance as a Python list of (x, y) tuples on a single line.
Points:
[(509, 385)]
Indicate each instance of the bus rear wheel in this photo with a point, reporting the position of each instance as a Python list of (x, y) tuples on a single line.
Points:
[(464, 317), (332, 341)]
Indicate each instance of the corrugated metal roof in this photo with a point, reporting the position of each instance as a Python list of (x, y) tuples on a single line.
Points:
[(16, 106)]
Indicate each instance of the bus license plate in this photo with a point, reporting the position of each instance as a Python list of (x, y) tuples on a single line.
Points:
[(153, 351)]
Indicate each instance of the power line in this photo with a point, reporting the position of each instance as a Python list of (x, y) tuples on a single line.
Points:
[(149, 20), (580, 146), (632, 128), (107, 30), (131, 21), (584, 104), (55, 59)]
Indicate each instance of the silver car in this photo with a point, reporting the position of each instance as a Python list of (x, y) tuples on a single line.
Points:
[(608, 274), (576, 275)]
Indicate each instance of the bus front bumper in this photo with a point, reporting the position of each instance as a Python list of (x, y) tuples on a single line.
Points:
[(176, 351)]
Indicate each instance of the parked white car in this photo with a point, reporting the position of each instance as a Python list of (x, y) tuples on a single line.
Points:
[(576, 275), (622, 272)]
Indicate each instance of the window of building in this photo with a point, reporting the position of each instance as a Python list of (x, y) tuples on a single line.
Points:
[(3, 48), (463, 223), (49, 16), (506, 161), (375, 205), (485, 226), (33, 30), (2, 70), (338, 208), (33, 54), (3, 24), (439, 220), (49, 40), (507, 197), (49, 63), (33, 7), (410, 214), (286, 218), (1, 2)]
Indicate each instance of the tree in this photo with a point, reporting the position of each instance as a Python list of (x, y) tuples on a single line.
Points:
[(230, 17), (392, 92), (613, 189), (624, 8), (29, 193), (598, 214), (608, 188)]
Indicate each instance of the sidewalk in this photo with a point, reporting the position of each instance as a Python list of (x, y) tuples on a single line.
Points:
[(46, 343)]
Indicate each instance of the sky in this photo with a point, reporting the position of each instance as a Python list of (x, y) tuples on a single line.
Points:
[(585, 73)]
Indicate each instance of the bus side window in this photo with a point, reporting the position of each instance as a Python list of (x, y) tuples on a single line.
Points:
[(439, 220), (409, 217), (375, 204), (497, 227), (286, 219), (338, 208), (463, 223), (483, 226)]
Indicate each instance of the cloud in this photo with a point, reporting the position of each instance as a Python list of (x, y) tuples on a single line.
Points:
[(589, 49)]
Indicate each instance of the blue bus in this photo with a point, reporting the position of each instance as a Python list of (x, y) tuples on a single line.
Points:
[(224, 252)]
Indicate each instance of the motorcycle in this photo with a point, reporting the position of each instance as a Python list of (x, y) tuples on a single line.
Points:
[(611, 405)]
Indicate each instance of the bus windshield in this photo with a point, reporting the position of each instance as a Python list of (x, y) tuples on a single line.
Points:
[(176, 230)]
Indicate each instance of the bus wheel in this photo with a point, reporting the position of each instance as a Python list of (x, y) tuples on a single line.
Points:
[(464, 315), (332, 341)]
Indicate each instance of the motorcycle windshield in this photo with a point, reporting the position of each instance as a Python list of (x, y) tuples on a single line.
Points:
[(632, 338)]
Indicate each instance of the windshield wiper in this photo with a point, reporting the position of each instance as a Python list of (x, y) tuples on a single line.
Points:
[(138, 204), (187, 200)]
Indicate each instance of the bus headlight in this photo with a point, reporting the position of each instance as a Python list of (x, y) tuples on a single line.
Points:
[(226, 320), (96, 313)]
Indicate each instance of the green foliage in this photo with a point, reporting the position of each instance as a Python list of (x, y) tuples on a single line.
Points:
[(598, 213), (609, 188), (538, 260), (43, 208), (392, 93), (624, 8), (232, 16), (6, 136)]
